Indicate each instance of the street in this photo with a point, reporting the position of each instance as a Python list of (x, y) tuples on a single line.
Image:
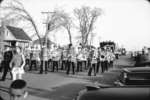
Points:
[(59, 86)]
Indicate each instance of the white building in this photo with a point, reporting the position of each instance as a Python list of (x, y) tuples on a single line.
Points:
[(14, 35)]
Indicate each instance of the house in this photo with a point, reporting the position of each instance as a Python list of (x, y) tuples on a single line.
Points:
[(14, 35)]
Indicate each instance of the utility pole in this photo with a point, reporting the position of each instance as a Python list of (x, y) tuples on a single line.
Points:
[(44, 49), (47, 25)]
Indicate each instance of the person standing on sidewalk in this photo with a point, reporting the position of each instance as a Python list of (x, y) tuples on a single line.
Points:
[(6, 61), (18, 91), (17, 64)]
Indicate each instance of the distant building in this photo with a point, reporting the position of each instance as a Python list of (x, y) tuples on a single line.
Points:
[(13, 36), (108, 45)]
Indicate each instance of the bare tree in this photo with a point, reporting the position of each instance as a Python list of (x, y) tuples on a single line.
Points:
[(18, 12), (86, 18), (68, 24), (56, 20)]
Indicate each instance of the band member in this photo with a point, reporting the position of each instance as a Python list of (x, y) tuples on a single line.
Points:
[(69, 62), (6, 61), (33, 61), (106, 60), (64, 59), (44, 60), (111, 59), (73, 59), (27, 57), (1, 59), (102, 60), (84, 61), (93, 63), (56, 59), (79, 59), (17, 64), (98, 60), (108, 57), (49, 59)]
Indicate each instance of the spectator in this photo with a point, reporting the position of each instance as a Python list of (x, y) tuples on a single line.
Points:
[(18, 90), (17, 64), (5, 63)]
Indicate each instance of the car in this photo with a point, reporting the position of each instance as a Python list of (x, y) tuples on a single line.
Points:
[(142, 60), (135, 76), (133, 84)]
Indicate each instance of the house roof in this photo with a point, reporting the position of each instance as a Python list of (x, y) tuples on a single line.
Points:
[(19, 33)]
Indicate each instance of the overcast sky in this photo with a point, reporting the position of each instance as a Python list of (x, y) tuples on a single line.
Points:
[(126, 22)]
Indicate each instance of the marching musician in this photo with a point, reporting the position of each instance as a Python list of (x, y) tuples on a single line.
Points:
[(98, 60), (70, 62), (93, 62), (49, 58), (64, 59), (56, 58), (106, 59), (111, 58), (84, 61), (79, 59), (27, 57), (44, 60), (33, 61), (102, 59)]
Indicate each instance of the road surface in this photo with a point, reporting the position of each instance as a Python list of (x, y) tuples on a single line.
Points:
[(59, 86)]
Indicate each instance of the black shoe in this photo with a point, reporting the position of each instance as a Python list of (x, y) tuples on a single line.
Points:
[(89, 75), (2, 79), (40, 73), (67, 73)]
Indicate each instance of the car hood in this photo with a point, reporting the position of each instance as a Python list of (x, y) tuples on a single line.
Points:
[(117, 94), (137, 69)]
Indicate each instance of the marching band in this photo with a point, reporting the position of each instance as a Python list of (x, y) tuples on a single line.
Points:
[(69, 59), (77, 59)]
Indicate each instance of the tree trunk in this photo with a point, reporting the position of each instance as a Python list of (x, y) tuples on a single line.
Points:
[(70, 37)]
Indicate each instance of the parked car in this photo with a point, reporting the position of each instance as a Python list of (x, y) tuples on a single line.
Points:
[(135, 76), (133, 84)]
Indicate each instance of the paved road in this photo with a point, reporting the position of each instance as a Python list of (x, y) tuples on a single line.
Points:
[(59, 86)]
